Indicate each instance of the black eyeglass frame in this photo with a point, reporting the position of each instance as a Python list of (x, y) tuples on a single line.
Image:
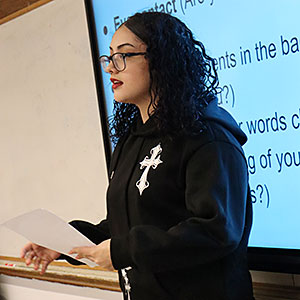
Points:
[(124, 55)]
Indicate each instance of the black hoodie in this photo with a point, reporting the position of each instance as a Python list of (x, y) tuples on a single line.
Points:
[(179, 212)]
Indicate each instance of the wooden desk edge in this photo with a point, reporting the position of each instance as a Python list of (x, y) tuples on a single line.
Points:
[(13, 266), (84, 278)]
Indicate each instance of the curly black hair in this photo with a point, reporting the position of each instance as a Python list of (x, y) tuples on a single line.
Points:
[(182, 76)]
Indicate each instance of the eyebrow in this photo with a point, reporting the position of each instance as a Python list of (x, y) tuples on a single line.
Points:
[(123, 45)]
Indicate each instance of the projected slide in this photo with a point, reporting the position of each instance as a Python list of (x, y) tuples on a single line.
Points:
[(256, 46)]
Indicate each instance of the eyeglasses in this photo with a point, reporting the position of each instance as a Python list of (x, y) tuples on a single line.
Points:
[(118, 59)]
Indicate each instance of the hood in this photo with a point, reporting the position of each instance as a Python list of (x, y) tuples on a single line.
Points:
[(144, 129), (217, 114), (212, 112)]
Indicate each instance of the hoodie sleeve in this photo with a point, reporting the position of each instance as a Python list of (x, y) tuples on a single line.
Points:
[(96, 233), (216, 194)]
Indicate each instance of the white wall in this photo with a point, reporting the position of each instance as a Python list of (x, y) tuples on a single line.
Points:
[(51, 153)]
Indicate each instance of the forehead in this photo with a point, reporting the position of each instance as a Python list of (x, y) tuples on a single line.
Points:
[(123, 36)]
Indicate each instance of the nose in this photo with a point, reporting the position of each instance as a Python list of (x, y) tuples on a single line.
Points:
[(111, 68)]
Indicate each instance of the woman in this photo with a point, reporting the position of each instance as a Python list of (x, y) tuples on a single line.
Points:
[(179, 207)]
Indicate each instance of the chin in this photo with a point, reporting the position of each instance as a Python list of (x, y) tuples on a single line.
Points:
[(122, 100)]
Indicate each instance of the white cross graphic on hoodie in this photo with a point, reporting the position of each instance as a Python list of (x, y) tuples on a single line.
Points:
[(147, 163)]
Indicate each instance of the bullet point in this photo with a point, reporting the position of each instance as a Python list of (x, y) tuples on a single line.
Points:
[(105, 30)]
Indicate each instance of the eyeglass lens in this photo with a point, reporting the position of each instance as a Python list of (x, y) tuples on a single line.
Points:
[(117, 59)]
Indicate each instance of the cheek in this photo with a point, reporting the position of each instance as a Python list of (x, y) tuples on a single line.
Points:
[(143, 78), (143, 81), (136, 85), (139, 81)]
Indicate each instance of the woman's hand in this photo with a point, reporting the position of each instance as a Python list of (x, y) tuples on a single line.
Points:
[(99, 254), (38, 255)]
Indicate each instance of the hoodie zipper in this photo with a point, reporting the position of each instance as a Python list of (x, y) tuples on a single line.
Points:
[(126, 281)]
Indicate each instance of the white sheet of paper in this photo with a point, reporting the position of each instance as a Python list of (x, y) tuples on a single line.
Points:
[(48, 230)]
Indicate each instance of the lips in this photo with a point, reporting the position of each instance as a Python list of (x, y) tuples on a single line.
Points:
[(116, 83)]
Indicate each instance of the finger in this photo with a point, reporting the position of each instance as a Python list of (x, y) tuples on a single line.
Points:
[(45, 264), (83, 251), (78, 250), (37, 262), (29, 257), (74, 250), (25, 249), (80, 255)]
